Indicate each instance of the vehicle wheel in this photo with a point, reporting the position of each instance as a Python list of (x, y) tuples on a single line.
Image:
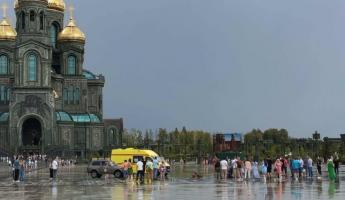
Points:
[(94, 174), (118, 174)]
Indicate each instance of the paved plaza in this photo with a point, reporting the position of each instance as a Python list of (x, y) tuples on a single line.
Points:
[(74, 183)]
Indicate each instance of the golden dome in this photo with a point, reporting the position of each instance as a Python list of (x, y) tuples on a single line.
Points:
[(6, 30), (57, 5), (71, 33)]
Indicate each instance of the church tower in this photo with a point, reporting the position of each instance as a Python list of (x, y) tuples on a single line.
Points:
[(49, 103)]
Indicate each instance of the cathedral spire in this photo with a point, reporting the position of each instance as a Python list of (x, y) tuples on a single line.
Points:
[(6, 30)]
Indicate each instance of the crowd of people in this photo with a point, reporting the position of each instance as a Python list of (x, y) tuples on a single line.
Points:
[(19, 165), (149, 169), (278, 169)]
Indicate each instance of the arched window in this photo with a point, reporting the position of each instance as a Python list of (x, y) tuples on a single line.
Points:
[(3, 64), (8, 95), (71, 65), (41, 20), (53, 34), (23, 20), (115, 138), (70, 95), (32, 16), (32, 67), (2, 93), (65, 95), (76, 96)]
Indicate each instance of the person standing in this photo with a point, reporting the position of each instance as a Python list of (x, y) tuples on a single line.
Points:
[(224, 167), (240, 168), (310, 167), (247, 169), (264, 169), (21, 170), (217, 169), (256, 174), (130, 170), (155, 168), (318, 165), (140, 172), (300, 167), (278, 169), (55, 167), (162, 171), (149, 170), (295, 167), (330, 169), (125, 169), (336, 165), (234, 168), (269, 167), (16, 167)]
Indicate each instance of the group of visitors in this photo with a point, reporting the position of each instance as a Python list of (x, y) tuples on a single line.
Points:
[(21, 164), (274, 168), (145, 169)]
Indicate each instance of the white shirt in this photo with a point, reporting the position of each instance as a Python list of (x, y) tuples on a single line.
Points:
[(234, 163), (54, 164), (140, 166), (224, 164)]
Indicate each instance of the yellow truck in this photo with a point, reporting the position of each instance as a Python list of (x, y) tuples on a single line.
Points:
[(118, 156)]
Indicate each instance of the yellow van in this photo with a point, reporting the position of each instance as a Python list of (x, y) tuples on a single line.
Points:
[(120, 155)]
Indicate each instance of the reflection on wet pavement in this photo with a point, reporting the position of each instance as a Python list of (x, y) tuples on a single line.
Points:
[(74, 183)]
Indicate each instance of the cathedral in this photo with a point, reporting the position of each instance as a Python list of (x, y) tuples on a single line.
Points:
[(49, 103)]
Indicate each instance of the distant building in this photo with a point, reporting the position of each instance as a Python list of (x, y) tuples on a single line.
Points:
[(227, 142)]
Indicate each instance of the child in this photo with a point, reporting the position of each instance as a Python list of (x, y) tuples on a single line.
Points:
[(162, 171)]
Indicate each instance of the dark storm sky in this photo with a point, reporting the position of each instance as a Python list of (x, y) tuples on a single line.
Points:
[(219, 65)]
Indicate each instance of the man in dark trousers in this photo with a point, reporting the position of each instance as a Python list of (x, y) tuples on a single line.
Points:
[(16, 170)]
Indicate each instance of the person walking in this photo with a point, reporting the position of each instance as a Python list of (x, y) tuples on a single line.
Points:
[(310, 167), (224, 167), (330, 169)]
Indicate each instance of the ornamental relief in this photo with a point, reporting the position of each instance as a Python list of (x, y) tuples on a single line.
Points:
[(96, 138), (32, 104), (66, 137)]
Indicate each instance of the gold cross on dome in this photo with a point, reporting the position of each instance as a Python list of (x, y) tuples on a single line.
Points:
[(4, 10), (71, 12)]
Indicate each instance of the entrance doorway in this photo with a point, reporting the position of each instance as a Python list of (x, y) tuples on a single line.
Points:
[(31, 132)]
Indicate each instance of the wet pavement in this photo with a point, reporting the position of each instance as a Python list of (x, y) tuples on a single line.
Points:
[(74, 183)]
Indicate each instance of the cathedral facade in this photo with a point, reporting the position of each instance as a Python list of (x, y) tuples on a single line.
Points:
[(48, 102)]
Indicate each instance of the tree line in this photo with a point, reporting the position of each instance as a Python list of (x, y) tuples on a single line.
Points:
[(277, 142), (177, 144)]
